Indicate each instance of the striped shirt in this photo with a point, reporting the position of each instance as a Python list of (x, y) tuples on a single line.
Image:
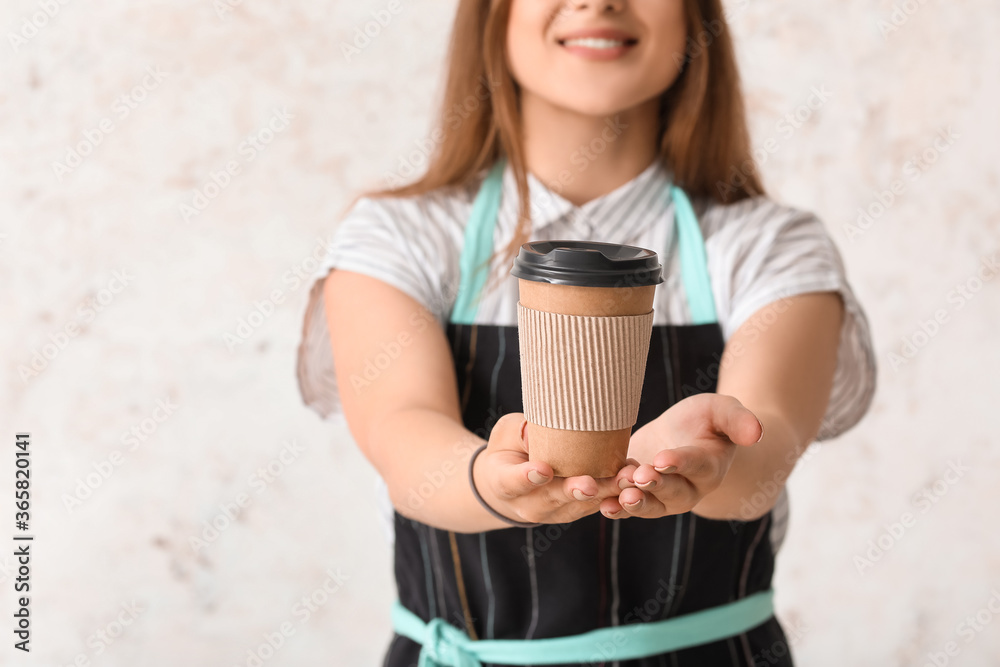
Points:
[(759, 253)]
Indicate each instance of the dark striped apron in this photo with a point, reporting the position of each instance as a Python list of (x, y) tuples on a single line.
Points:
[(558, 580)]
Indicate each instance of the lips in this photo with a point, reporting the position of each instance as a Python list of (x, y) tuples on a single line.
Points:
[(598, 43), (594, 42)]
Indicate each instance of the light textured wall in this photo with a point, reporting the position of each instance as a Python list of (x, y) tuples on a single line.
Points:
[(186, 280)]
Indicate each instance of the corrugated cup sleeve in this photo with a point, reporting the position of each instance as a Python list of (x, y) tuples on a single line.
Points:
[(582, 373)]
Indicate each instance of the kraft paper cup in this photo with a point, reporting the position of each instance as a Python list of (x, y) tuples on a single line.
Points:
[(585, 315)]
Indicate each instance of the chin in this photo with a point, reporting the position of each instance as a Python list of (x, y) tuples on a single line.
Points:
[(597, 110), (599, 104)]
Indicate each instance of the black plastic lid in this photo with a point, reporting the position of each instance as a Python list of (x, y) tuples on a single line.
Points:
[(587, 264)]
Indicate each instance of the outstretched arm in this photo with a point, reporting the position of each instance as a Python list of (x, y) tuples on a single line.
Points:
[(403, 411)]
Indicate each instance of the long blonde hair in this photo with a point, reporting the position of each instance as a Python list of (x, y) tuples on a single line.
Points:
[(703, 135)]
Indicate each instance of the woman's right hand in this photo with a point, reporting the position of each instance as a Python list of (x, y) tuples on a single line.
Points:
[(528, 490)]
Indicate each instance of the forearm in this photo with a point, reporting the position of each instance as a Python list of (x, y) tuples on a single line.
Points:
[(423, 456), (406, 420), (785, 378), (758, 474)]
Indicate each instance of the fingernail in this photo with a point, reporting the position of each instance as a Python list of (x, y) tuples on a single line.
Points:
[(667, 470), (647, 485), (624, 484), (613, 514), (536, 477), (636, 503), (580, 495), (761, 429)]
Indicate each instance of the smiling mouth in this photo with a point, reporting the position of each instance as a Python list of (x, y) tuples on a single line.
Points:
[(598, 43)]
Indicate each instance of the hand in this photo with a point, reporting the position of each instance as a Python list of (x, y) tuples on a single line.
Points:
[(529, 491), (682, 456)]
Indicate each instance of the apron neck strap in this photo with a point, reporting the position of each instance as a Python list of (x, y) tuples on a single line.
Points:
[(478, 248), (694, 260)]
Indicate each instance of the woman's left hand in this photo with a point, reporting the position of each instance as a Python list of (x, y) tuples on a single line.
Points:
[(681, 456)]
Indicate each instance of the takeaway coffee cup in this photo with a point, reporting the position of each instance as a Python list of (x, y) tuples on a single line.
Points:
[(585, 315)]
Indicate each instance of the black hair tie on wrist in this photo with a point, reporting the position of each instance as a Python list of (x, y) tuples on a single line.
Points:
[(475, 492)]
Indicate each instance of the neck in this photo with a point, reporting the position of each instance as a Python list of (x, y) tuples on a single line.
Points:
[(582, 157)]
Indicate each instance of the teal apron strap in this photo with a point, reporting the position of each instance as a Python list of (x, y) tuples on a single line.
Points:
[(694, 261), (478, 246), (444, 645)]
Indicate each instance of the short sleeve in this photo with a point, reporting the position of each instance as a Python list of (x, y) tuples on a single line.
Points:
[(766, 252), (392, 240)]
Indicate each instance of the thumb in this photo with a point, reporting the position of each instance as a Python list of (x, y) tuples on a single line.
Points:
[(508, 434), (739, 424), (509, 443)]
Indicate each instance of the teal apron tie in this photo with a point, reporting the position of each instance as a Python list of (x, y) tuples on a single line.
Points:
[(444, 645)]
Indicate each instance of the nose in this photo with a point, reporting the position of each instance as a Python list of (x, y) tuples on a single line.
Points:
[(599, 5)]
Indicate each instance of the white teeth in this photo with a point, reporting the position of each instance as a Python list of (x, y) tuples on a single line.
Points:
[(595, 43)]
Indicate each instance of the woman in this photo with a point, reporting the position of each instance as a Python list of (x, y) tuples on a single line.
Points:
[(618, 121)]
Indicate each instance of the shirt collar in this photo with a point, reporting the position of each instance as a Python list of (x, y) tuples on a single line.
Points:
[(548, 207)]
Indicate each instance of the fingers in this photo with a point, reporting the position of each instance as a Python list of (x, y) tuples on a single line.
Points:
[(514, 481), (698, 464), (623, 479), (530, 490), (732, 419), (671, 494), (586, 488), (552, 499), (516, 476), (611, 508), (640, 504), (669, 486), (677, 478)]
